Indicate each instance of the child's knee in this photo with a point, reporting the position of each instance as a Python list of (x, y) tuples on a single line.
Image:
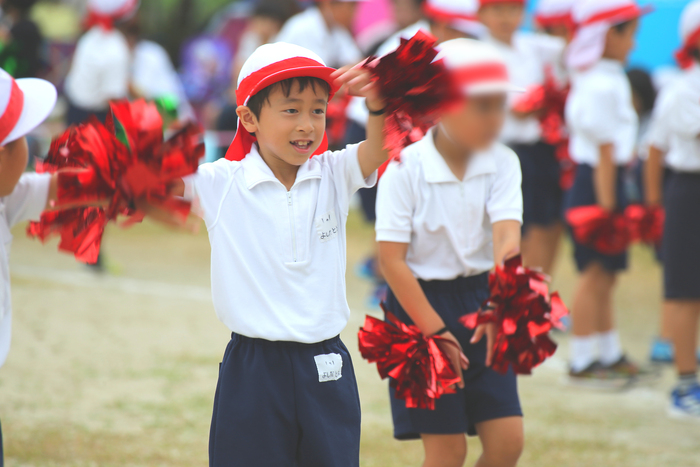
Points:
[(505, 454), (448, 452)]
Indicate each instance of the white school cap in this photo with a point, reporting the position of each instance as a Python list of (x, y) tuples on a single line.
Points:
[(478, 67), (458, 14), (594, 18), (554, 13), (690, 33), (24, 104)]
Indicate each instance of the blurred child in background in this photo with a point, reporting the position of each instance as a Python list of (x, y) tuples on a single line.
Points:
[(676, 134), (101, 66), (446, 214), (21, 42), (603, 124), (528, 55)]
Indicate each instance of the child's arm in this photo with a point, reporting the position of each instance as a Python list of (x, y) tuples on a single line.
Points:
[(371, 153), (605, 178), (392, 259), (653, 176)]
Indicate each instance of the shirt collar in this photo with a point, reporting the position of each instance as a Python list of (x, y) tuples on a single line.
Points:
[(256, 171), (436, 169), (608, 65)]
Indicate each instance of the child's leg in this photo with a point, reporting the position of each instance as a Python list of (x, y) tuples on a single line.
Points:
[(444, 450), (502, 440), (684, 316), (540, 246)]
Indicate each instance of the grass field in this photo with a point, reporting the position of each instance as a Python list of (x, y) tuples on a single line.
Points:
[(120, 370)]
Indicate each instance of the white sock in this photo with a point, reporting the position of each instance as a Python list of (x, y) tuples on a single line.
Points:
[(609, 347), (583, 352)]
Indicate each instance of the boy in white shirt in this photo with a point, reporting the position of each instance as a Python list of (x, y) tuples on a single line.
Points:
[(528, 55), (276, 210), (603, 125), (675, 134), (447, 212)]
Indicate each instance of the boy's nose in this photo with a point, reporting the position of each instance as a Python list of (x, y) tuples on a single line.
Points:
[(305, 125)]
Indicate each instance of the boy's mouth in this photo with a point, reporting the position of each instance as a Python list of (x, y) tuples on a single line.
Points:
[(302, 145)]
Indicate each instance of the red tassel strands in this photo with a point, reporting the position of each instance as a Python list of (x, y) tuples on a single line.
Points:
[(524, 312), (419, 370), (104, 169), (416, 90), (611, 233)]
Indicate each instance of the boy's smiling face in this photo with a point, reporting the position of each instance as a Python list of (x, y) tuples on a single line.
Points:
[(289, 128)]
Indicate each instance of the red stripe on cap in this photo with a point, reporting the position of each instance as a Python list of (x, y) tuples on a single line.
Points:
[(548, 21), (684, 55), (15, 104), (491, 2), (437, 14), (624, 13), (251, 84), (481, 73)]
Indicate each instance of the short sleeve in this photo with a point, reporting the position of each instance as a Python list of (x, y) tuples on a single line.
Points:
[(597, 114), (395, 205), (208, 187), (683, 117), (28, 200), (114, 66), (658, 129), (347, 175), (505, 201)]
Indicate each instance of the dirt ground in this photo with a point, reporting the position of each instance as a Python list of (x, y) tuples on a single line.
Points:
[(120, 369)]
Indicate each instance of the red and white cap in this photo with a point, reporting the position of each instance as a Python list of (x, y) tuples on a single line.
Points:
[(24, 104), (270, 64), (459, 14), (478, 67), (594, 18), (550, 13), (491, 2), (105, 12), (690, 33)]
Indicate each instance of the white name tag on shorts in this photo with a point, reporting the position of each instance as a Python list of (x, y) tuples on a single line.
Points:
[(330, 367), (327, 226)]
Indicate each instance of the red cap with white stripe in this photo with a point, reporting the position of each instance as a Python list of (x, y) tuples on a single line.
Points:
[(550, 13), (594, 19), (105, 12), (24, 104), (477, 66), (491, 2), (690, 34), (270, 64), (458, 14)]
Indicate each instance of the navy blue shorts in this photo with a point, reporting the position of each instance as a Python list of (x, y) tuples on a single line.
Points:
[(582, 193), (487, 395), (282, 404), (542, 193), (681, 242)]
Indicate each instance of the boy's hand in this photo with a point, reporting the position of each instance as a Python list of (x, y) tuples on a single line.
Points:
[(490, 330), (450, 345), (358, 82)]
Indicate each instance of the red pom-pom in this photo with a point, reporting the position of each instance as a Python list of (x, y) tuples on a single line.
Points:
[(646, 223), (606, 232), (524, 312), (416, 90), (114, 165), (421, 372)]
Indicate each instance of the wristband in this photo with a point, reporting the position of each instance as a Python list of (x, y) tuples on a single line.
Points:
[(440, 332), (375, 113)]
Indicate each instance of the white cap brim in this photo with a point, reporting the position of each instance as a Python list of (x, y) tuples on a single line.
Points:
[(493, 87), (39, 101)]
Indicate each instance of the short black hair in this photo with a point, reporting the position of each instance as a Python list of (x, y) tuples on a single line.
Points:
[(22, 5), (256, 102), (621, 27), (643, 87)]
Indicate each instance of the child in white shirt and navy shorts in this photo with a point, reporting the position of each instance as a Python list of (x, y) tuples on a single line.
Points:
[(603, 129), (675, 134), (447, 212), (276, 210)]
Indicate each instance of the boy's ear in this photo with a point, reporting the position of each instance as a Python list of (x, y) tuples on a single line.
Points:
[(247, 118)]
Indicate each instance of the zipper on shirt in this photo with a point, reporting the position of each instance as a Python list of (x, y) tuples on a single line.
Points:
[(290, 209)]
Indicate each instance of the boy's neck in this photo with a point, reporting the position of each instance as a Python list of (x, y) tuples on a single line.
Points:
[(284, 172), (455, 157), (507, 40)]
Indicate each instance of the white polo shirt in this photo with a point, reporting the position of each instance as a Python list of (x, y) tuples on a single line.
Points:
[(100, 69), (599, 111), (334, 45), (277, 256), (447, 222), (676, 122), (26, 202), (526, 58)]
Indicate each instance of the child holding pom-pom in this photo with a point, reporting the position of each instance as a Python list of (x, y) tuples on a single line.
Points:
[(448, 211)]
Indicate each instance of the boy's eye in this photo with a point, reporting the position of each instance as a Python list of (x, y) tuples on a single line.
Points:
[(320, 111), (291, 111)]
